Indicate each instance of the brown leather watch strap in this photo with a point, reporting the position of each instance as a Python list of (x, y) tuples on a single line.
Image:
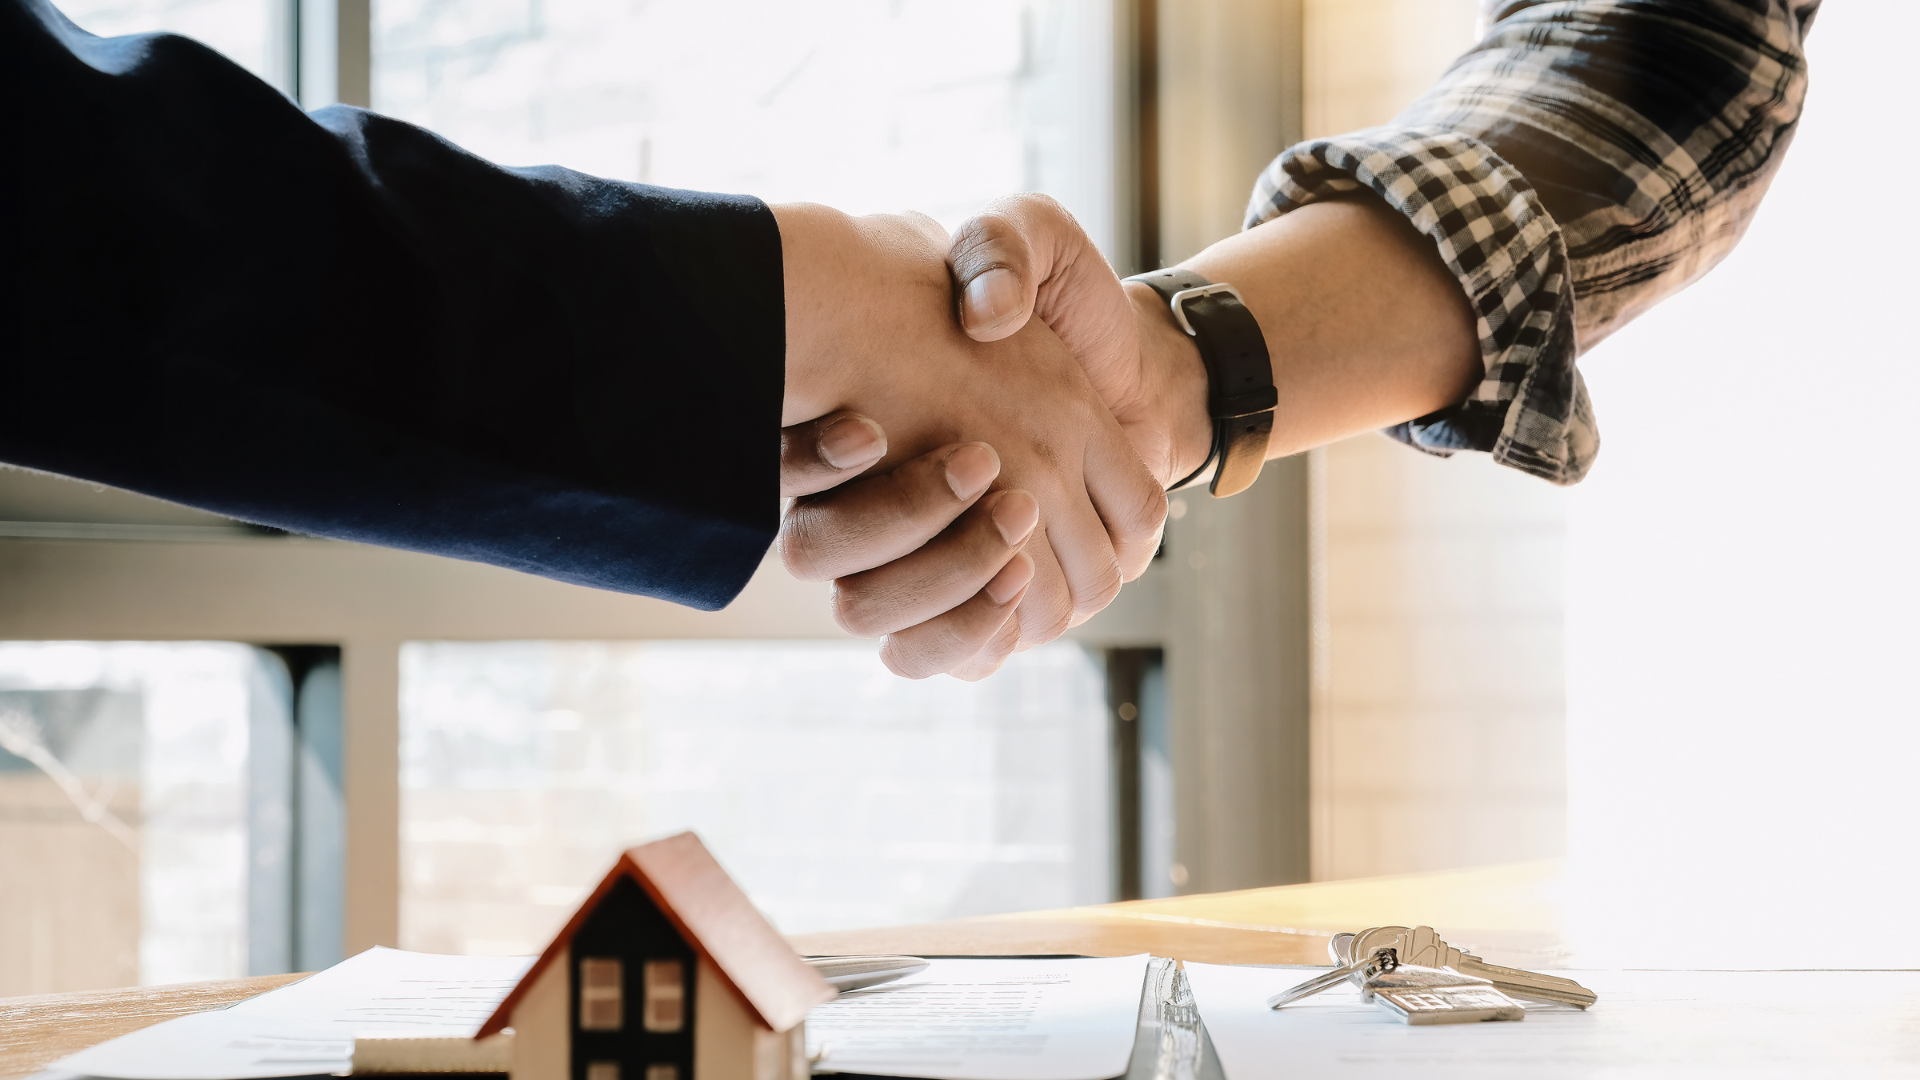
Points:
[(1240, 393)]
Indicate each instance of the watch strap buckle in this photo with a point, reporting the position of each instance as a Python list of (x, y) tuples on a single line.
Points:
[(1178, 301)]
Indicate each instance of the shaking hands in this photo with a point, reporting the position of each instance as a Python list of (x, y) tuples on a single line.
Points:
[(967, 498), (980, 429)]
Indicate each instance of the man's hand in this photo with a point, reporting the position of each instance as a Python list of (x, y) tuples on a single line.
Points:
[(1032, 533), (1026, 256), (878, 532), (1365, 324)]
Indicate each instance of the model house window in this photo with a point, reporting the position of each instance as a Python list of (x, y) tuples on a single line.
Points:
[(663, 1072), (601, 1007), (665, 1008), (609, 1070)]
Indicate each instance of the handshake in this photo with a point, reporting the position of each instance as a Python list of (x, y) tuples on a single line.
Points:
[(974, 486)]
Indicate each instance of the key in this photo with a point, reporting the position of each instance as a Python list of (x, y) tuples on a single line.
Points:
[(1425, 995), (1340, 948), (1421, 947), (1363, 969)]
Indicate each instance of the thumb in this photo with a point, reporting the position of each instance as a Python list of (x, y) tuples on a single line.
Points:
[(824, 453), (1025, 255), (993, 265)]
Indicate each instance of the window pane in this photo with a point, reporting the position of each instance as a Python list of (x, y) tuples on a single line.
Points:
[(123, 821), (861, 104), (251, 33), (837, 793), (666, 1005)]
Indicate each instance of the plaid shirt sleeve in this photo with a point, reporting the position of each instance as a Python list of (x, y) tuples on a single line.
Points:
[(1583, 162)]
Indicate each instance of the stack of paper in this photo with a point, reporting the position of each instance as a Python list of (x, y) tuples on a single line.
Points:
[(1653, 1024), (987, 1020), (957, 1020), (307, 1028)]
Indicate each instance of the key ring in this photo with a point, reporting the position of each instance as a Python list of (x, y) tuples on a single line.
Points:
[(1381, 962)]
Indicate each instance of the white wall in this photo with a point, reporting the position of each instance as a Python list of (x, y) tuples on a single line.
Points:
[(1742, 581), (1439, 698), (1438, 693)]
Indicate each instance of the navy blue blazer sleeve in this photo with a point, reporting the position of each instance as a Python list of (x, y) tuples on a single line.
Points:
[(341, 325)]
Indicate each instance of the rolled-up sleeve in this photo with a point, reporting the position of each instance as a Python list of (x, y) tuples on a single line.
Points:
[(1585, 160)]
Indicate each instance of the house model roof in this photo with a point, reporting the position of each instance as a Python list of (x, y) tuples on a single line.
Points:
[(715, 918)]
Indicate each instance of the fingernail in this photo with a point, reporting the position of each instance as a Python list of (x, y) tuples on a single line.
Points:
[(1015, 516), (1011, 579), (852, 441), (992, 298), (970, 469)]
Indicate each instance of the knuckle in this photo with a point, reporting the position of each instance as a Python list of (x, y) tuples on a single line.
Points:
[(979, 668), (1027, 202), (1142, 517), (919, 498), (989, 659), (904, 660), (981, 549), (854, 613), (987, 241), (1050, 617), (908, 492), (939, 644), (1047, 206), (1095, 594), (797, 548)]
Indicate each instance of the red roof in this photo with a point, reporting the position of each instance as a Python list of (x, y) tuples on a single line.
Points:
[(714, 917)]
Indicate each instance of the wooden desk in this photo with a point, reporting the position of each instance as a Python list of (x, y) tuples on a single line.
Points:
[(37, 1031), (1508, 911)]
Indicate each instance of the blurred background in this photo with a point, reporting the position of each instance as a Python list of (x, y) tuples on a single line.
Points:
[(228, 751)]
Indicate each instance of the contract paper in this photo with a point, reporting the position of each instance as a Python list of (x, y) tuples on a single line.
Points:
[(307, 1028), (987, 1020), (1697, 1025)]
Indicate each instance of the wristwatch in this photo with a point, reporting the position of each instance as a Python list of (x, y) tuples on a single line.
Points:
[(1240, 393)]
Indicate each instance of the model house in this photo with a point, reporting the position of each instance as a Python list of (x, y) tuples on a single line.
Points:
[(667, 972)]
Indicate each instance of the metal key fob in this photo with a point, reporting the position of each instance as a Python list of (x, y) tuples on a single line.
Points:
[(1424, 995)]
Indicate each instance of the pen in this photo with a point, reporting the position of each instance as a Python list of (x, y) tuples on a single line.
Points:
[(845, 973)]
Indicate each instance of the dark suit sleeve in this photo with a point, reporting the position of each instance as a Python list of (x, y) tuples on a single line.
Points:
[(342, 325)]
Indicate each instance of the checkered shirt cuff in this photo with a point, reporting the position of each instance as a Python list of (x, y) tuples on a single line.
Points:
[(1531, 410)]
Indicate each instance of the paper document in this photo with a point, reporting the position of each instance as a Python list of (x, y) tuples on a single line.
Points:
[(1698, 1025), (987, 1020), (307, 1028)]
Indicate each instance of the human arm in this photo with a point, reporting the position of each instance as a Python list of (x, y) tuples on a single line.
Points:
[(342, 325), (1364, 323), (1584, 161)]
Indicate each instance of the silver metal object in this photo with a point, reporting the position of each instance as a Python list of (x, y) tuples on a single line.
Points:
[(1179, 301), (1361, 970), (1420, 946), (1170, 1041), (1424, 995), (845, 973)]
